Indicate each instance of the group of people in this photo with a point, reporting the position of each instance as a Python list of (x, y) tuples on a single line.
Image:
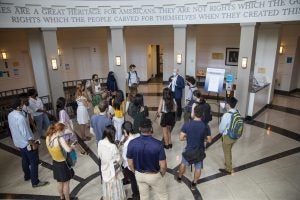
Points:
[(126, 148)]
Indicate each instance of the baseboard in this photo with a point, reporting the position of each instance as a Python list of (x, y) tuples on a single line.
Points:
[(282, 92)]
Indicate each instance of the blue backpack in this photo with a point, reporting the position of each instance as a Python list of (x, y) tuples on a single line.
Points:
[(236, 127)]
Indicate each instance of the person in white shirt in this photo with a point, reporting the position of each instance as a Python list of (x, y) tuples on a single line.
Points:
[(27, 111), (128, 136), (112, 186), (95, 84), (133, 77), (39, 113), (24, 140)]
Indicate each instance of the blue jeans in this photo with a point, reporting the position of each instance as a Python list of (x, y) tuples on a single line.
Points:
[(30, 158), (42, 123), (198, 165)]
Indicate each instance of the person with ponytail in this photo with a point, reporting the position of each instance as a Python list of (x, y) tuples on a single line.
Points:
[(61, 171), (167, 108)]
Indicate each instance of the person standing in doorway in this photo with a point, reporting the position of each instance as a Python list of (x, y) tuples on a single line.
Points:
[(40, 114), (177, 85), (23, 139), (147, 160), (133, 77)]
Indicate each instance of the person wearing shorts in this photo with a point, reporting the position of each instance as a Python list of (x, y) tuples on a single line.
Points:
[(193, 132)]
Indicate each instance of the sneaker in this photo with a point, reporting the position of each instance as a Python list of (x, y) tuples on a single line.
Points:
[(170, 146), (178, 179), (224, 171), (166, 146), (193, 186), (41, 184)]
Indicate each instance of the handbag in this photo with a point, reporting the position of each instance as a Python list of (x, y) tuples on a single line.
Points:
[(70, 157), (194, 156)]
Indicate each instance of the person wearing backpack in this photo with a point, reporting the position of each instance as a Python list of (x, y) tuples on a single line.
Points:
[(139, 112), (207, 114), (231, 128), (133, 77), (191, 82)]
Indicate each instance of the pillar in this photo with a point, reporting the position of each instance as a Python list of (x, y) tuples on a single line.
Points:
[(55, 79), (191, 55), (180, 47), (37, 53), (247, 50)]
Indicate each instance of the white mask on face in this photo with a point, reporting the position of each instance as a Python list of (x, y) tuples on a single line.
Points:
[(222, 105), (174, 73)]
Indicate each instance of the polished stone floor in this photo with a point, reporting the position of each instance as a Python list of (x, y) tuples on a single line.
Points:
[(266, 160)]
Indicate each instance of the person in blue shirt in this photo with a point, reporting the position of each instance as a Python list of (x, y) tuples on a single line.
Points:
[(194, 132), (23, 139), (227, 142), (177, 84), (146, 158)]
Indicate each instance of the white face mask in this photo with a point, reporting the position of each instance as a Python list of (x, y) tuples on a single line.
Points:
[(222, 105), (174, 73)]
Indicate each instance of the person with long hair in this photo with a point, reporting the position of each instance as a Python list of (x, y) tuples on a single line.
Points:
[(112, 186), (63, 117), (118, 105), (132, 93), (61, 171), (128, 136), (139, 112), (82, 112), (167, 108)]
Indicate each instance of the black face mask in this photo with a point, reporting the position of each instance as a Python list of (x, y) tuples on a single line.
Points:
[(26, 103)]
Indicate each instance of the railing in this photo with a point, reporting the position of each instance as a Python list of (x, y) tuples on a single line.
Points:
[(6, 99)]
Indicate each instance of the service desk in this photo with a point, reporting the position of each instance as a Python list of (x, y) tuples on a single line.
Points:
[(258, 99)]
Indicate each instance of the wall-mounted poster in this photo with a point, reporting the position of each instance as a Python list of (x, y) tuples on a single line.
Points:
[(217, 56), (232, 56), (214, 80)]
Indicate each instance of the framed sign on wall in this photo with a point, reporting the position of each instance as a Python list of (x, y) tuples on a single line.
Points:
[(232, 56)]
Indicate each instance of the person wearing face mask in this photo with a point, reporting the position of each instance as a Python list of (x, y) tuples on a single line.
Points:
[(39, 112), (177, 84), (23, 139), (95, 84), (133, 77)]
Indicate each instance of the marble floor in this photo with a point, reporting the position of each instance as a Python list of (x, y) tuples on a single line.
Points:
[(266, 160)]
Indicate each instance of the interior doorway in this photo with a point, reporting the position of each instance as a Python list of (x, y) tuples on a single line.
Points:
[(155, 63), (82, 62)]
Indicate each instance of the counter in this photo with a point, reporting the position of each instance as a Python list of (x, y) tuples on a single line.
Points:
[(258, 99)]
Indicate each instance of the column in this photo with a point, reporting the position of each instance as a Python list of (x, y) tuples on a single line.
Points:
[(247, 50), (191, 55), (180, 47), (118, 49), (37, 53), (55, 80), (268, 42)]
